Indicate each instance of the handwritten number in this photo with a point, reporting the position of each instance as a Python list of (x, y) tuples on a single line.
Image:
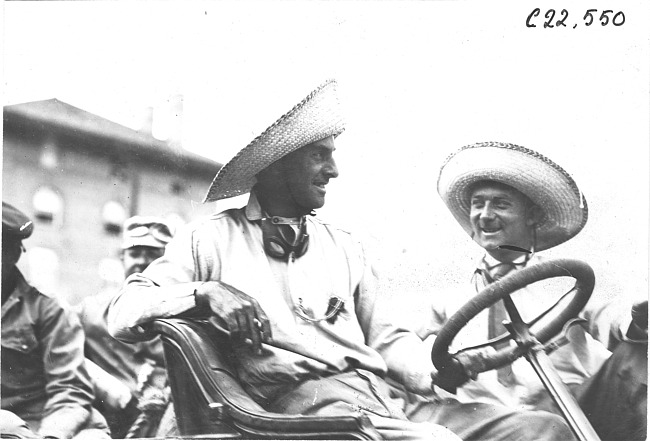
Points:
[(591, 17), (549, 15), (605, 17), (564, 15), (535, 13), (622, 18)]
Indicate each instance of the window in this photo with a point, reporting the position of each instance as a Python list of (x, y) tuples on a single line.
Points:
[(48, 205), (113, 217), (177, 187), (49, 158), (43, 267), (111, 271)]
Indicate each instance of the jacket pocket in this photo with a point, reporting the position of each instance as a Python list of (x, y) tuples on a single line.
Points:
[(20, 339)]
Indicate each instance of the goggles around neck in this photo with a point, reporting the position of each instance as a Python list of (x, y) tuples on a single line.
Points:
[(281, 240)]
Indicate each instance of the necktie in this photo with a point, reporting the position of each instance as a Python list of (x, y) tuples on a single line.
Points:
[(496, 315)]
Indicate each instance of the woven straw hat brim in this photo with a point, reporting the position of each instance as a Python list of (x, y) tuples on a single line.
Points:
[(547, 184), (316, 117)]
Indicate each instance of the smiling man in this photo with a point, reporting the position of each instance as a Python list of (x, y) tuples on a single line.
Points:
[(502, 220), (514, 203), (299, 296)]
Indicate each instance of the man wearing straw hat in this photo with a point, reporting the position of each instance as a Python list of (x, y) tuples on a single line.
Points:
[(514, 203), (298, 295)]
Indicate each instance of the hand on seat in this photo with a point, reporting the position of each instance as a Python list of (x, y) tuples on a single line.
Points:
[(242, 314)]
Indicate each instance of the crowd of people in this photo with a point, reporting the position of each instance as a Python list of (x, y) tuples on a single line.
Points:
[(309, 318)]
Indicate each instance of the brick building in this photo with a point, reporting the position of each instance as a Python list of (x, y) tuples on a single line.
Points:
[(79, 176)]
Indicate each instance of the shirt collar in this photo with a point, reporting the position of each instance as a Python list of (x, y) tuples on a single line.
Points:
[(19, 292), (490, 262)]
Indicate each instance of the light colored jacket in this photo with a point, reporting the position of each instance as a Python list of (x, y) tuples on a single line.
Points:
[(228, 247)]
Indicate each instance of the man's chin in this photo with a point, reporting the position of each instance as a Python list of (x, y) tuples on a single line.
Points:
[(314, 204), (487, 244), (131, 272)]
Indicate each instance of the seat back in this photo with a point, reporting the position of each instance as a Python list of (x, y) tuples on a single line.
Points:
[(209, 400)]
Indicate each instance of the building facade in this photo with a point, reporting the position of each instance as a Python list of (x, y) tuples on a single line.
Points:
[(79, 176)]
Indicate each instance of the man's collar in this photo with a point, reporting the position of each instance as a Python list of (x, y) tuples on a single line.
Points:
[(490, 262), (21, 287)]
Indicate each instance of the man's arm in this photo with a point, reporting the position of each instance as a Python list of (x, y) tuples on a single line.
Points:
[(179, 282), (113, 393), (404, 334), (68, 388), (382, 321), (141, 300), (166, 288)]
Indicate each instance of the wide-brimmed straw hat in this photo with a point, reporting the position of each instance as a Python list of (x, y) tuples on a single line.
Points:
[(316, 117), (543, 181)]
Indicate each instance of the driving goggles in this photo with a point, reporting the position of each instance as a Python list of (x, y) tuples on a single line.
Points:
[(281, 241), (159, 231)]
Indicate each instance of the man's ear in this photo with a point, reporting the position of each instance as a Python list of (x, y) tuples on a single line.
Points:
[(534, 215), (270, 174)]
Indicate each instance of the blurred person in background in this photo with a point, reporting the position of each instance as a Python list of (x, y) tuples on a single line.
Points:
[(46, 389), (128, 378)]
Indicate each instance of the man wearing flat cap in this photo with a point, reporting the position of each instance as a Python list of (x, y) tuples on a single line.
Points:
[(46, 390), (514, 203), (303, 294), (144, 240)]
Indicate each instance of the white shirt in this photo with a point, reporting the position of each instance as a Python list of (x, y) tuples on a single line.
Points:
[(576, 361)]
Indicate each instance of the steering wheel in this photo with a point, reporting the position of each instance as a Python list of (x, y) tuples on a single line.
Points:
[(496, 291)]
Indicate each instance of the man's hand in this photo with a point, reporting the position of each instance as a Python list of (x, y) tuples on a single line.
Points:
[(112, 392), (450, 376), (242, 314), (460, 368)]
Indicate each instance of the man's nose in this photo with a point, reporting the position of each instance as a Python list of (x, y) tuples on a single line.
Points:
[(331, 170), (486, 212), (141, 260)]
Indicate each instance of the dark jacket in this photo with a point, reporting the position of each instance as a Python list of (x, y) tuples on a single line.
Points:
[(616, 399), (44, 380)]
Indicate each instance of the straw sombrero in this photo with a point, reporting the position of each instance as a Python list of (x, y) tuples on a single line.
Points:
[(536, 176), (314, 118)]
